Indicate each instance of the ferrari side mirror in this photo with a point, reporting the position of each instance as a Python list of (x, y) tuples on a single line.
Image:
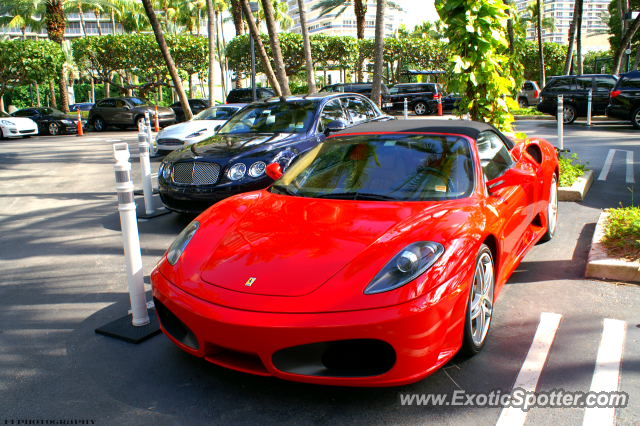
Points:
[(511, 177), (335, 126), (273, 171)]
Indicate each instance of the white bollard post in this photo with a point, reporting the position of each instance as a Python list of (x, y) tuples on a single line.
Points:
[(145, 168), (560, 122), (406, 112), (147, 119), (130, 238), (589, 99)]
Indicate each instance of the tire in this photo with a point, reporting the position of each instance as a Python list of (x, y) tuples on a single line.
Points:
[(53, 129), (420, 108), (480, 304), (635, 118), (570, 114), (523, 103), (552, 210), (2, 135), (98, 124)]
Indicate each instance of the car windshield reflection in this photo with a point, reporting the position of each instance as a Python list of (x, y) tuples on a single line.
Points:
[(273, 117), (216, 113), (383, 168)]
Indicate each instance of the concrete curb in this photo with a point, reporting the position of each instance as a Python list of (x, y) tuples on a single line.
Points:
[(578, 190), (601, 265), (552, 118)]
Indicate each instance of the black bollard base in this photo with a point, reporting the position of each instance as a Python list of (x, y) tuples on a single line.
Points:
[(141, 191), (123, 329)]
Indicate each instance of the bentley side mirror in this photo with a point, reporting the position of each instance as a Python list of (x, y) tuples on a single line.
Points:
[(511, 177), (274, 171), (215, 129), (335, 126)]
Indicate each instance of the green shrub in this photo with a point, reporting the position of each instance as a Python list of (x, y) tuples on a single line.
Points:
[(622, 233), (570, 172)]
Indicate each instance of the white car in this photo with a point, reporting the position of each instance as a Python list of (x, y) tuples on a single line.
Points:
[(14, 127), (199, 128)]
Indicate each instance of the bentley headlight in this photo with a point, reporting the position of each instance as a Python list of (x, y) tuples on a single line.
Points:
[(7, 122), (237, 171), (257, 169), (178, 246), (411, 262), (197, 134), (165, 169)]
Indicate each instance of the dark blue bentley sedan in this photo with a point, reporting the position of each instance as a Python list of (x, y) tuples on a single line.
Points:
[(277, 130)]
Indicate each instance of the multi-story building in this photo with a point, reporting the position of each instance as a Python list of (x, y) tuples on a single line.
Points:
[(74, 27), (562, 12), (345, 24)]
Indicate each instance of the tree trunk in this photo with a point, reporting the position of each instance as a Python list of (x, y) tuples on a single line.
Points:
[(160, 90), (2, 103), (579, 70), (360, 10), (113, 22), (56, 24), (199, 21), (262, 54), (184, 102), (540, 49), (311, 81), (572, 38), (97, 13), (106, 89), (236, 12), (52, 94), (379, 52), (93, 90), (37, 93), (276, 52), (84, 26), (222, 79), (628, 35), (324, 77), (227, 82), (635, 63), (191, 86), (210, 30)]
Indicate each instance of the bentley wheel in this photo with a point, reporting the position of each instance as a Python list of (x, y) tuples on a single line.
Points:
[(552, 210), (420, 108), (98, 124), (480, 304), (54, 129)]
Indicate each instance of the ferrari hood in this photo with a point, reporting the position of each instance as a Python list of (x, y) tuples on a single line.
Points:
[(288, 246), (226, 146)]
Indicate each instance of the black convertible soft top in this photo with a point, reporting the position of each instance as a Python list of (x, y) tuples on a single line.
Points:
[(459, 127)]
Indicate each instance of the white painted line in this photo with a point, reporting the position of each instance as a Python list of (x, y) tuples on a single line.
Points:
[(607, 165), (532, 366), (114, 140), (630, 178), (607, 372)]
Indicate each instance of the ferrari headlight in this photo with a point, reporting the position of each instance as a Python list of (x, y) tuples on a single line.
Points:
[(257, 169), (178, 246), (7, 122), (411, 262), (237, 171), (196, 134)]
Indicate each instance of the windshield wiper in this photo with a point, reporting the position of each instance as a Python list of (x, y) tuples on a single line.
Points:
[(358, 196), (285, 190)]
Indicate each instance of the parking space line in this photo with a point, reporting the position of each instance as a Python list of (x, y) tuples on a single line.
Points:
[(630, 178), (607, 165), (607, 373), (532, 366)]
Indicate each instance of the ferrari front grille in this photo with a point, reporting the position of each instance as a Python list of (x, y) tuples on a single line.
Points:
[(176, 142), (194, 173)]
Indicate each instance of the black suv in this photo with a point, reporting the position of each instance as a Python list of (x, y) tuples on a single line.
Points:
[(245, 96), (575, 92), (196, 106), (624, 101), (361, 88), (419, 97)]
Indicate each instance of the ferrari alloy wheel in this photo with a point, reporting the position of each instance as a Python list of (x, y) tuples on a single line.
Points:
[(98, 124), (54, 129), (552, 210), (420, 108), (480, 306)]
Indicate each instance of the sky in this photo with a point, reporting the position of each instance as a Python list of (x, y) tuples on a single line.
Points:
[(417, 11)]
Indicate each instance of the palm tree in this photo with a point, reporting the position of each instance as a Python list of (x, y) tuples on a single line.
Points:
[(210, 29), (21, 14), (280, 14), (429, 30), (379, 52), (311, 78), (276, 52), (529, 17), (218, 7), (572, 38), (540, 51)]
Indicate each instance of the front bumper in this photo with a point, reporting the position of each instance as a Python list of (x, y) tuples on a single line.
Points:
[(194, 199), (14, 132), (424, 335)]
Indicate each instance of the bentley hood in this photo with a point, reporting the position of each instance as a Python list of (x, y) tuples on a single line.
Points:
[(182, 130)]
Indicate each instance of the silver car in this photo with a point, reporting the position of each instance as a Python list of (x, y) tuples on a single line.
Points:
[(530, 94)]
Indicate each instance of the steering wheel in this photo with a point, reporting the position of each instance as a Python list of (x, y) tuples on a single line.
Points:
[(440, 174)]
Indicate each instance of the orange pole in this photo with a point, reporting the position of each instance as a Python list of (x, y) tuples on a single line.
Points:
[(439, 104), (80, 124), (157, 126)]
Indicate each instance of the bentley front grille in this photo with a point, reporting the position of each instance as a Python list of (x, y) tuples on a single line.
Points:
[(194, 173)]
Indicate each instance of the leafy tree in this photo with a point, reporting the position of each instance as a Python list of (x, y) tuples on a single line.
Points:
[(554, 59), (529, 17), (21, 14)]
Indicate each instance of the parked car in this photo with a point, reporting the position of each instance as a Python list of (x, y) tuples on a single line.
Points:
[(575, 90), (15, 127), (83, 106), (199, 128), (234, 160), (126, 112), (244, 96), (450, 101), (372, 261), (419, 97), (530, 94), (363, 89), (196, 105), (624, 100), (51, 120)]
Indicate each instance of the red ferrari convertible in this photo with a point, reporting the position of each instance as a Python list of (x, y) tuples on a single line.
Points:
[(372, 260)]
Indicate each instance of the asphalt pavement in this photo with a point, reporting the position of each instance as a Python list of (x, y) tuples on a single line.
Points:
[(62, 275)]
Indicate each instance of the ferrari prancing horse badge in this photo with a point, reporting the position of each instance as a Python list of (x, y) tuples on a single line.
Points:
[(251, 281)]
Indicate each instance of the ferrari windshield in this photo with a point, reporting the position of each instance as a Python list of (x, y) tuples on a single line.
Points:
[(383, 167), (273, 117), (216, 113)]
